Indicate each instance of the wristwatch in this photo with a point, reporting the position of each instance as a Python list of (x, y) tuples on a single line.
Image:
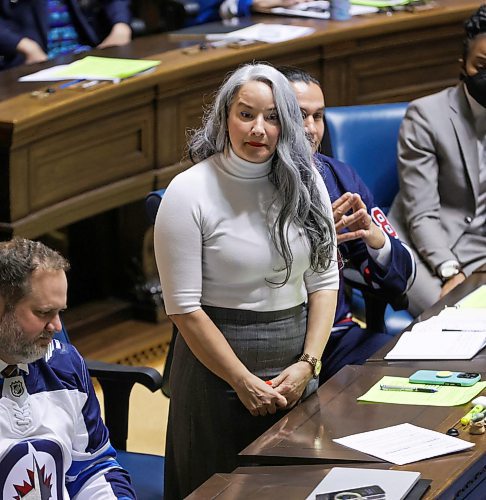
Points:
[(448, 269), (314, 362)]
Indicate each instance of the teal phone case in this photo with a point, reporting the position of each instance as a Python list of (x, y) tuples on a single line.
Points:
[(463, 379)]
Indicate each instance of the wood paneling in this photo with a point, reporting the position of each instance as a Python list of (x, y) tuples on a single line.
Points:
[(116, 148)]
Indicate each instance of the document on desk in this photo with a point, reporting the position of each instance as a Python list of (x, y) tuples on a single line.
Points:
[(93, 68), (267, 33), (404, 443), (45, 75), (438, 345), (445, 396), (456, 333), (318, 9)]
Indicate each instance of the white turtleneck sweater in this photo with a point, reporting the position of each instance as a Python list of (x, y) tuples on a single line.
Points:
[(213, 245)]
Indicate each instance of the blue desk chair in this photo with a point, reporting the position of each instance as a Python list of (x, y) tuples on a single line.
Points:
[(146, 471), (365, 137)]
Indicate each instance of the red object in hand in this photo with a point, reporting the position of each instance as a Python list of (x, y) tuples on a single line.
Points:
[(268, 382)]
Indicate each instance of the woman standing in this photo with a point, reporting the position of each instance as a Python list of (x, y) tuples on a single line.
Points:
[(245, 247)]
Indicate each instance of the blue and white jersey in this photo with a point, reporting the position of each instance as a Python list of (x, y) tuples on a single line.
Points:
[(53, 442)]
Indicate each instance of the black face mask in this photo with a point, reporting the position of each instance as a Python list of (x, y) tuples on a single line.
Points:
[(476, 86)]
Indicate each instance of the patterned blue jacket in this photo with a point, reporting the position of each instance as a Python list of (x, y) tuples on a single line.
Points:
[(397, 279)]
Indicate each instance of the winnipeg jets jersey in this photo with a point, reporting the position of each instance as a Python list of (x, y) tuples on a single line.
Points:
[(53, 443)]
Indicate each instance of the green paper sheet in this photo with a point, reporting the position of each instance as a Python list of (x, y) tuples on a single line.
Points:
[(475, 300), (105, 68), (381, 4), (445, 396)]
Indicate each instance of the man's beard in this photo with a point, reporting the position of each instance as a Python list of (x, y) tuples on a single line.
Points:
[(15, 346)]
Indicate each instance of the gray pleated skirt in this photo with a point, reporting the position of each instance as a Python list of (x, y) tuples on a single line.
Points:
[(208, 425)]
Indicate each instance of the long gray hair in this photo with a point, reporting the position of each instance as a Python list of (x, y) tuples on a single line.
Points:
[(292, 171)]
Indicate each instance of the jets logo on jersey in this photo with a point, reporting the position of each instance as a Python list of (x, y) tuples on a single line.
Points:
[(32, 470), (380, 219)]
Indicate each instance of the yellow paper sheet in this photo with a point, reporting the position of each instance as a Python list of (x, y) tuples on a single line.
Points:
[(105, 68), (475, 300), (445, 396)]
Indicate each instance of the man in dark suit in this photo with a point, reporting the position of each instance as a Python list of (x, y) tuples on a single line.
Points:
[(441, 206), (367, 242), (34, 30)]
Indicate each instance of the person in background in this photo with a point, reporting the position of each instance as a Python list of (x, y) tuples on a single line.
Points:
[(36, 30), (53, 443), (366, 239), (441, 205), (215, 10), (245, 248)]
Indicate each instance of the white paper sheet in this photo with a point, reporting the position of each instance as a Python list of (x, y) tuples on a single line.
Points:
[(404, 443), (45, 75), (433, 344), (261, 32), (318, 9), (455, 319), (455, 333)]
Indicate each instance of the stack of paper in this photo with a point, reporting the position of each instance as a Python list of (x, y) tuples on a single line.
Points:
[(394, 483), (456, 333), (261, 32), (93, 68), (382, 4), (317, 9)]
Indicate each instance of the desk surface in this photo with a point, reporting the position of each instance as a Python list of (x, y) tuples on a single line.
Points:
[(293, 482), (304, 436)]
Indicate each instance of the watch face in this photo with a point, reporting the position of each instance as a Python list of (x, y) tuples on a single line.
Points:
[(317, 368), (448, 272)]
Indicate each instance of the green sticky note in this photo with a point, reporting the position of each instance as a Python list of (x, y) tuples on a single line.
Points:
[(381, 4), (445, 395), (475, 300), (105, 68)]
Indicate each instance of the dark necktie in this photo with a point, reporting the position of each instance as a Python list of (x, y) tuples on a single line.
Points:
[(10, 371)]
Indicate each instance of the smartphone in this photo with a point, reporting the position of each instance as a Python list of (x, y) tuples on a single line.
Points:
[(464, 379), (373, 492)]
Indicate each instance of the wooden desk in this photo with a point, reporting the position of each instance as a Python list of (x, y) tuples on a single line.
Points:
[(293, 482), (305, 434), (76, 154), (478, 363)]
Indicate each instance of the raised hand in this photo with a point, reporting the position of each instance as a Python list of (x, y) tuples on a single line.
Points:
[(349, 212)]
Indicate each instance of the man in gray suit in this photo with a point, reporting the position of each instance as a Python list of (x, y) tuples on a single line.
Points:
[(441, 206)]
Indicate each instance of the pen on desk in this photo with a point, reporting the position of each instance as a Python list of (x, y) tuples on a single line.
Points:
[(69, 84), (90, 83), (385, 387)]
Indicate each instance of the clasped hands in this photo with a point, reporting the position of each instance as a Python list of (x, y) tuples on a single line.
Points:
[(352, 221), (282, 392)]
